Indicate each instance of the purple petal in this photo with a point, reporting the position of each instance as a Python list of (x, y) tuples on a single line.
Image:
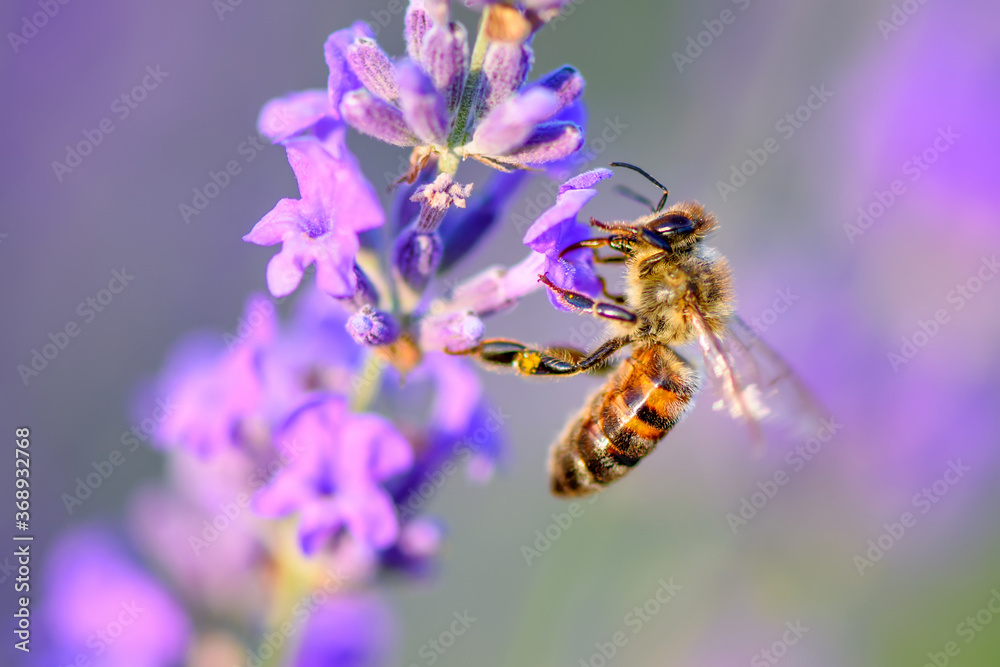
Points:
[(209, 391), (285, 116), (94, 586), (373, 68), (337, 202), (557, 227), (277, 222), (451, 331), (504, 69), (559, 170), (509, 125), (587, 179), (457, 393), (522, 278), (445, 58), (388, 452), (336, 482), (369, 115), (498, 289), (573, 272), (348, 631), (342, 78), (418, 22), (333, 175), (285, 271), (424, 109), (565, 82), (549, 142)]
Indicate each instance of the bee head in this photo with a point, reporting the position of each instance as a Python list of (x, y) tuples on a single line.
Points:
[(678, 227)]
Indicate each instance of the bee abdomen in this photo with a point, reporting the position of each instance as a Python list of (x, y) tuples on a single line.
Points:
[(624, 422)]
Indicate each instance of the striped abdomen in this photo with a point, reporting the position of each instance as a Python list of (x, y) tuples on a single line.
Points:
[(623, 422)]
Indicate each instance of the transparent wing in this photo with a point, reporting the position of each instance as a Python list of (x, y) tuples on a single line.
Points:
[(755, 384)]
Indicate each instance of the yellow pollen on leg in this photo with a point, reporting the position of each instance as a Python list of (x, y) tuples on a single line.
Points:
[(527, 362)]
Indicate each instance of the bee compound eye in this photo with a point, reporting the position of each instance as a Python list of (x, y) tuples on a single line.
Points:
[(673, 223)]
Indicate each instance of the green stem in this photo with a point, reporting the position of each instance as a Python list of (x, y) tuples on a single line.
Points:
[(470, 93)]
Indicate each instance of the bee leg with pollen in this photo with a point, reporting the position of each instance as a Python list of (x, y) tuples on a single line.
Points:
[(531, 361), (584, 304)]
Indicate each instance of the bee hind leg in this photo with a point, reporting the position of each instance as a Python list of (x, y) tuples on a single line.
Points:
[(554, 361)]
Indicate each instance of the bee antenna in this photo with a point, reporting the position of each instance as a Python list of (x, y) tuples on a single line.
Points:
[(663, 199)]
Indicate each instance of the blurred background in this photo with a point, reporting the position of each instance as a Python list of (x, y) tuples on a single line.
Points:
[(849, 151)]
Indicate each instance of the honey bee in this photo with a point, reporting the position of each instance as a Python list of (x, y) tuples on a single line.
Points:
[(679, 291)]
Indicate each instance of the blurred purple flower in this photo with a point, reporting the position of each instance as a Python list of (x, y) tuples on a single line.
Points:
[(322, 227), (213, 389), (943, 152), (462, 426), (336, 482), (198, 531), (348, 631), (103, 607)]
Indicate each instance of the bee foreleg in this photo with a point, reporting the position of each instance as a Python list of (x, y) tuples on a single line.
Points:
[(585, 304)]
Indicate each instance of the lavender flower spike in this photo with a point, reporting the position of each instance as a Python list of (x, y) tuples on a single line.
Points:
[(322, 227), (445, 104)]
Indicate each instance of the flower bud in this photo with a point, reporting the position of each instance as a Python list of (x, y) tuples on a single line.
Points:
[(372, 327), (373, 68), (416, 258)]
